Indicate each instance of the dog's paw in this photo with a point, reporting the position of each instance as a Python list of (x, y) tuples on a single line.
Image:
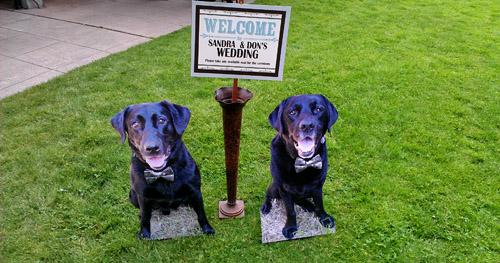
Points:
[(207, 230), (266, 208), (327, 221), (144, 234), (289, 231)]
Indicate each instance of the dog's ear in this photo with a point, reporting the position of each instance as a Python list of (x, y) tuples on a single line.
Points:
[(180, 116), (275, 118), (118, 122), (333, 115)]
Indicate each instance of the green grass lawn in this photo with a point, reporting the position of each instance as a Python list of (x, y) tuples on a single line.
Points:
[(414, 171)]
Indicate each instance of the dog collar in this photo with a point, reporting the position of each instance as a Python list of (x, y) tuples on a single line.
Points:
[(301, 164), (151, 176)]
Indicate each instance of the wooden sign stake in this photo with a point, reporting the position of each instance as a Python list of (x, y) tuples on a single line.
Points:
[(232, 41), (231, 118)]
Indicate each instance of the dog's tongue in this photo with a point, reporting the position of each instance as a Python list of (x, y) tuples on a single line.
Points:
[(156, 162), (306, 145)]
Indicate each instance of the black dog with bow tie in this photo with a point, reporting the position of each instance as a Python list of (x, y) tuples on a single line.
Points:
[(163, 174), (299, 160)]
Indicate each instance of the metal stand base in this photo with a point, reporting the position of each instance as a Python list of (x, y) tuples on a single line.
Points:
[(231, 211)]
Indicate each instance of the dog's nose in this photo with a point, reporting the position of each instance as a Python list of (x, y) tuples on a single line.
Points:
[(152, 148), (306, 126)]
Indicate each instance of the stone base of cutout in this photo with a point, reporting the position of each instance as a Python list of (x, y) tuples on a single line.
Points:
[(181, 222), (308, 224)]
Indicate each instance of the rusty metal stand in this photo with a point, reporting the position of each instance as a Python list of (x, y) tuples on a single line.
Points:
[(232, 100)]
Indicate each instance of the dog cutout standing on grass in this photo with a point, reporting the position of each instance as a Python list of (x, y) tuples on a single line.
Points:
[(299, 160), (163, 175)]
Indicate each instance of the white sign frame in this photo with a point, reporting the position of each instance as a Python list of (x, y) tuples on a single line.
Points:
[(238, 40)]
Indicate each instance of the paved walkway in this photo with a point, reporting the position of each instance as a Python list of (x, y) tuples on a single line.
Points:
[(39, 44)]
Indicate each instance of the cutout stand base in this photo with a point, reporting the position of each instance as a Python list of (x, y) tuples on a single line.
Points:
[(308, 224), (181, 222)]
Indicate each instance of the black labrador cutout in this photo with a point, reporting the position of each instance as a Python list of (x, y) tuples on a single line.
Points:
[(299, 160), (163, 175)]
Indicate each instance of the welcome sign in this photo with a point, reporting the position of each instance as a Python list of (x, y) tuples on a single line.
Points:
[(238, 41)]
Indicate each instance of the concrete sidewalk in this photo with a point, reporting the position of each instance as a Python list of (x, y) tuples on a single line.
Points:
[(39, 44)]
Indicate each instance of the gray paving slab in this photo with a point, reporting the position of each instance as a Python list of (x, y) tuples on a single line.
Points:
[(142, 26), (127, 45), (23, 43), (92, 18), (180, 17), (29, 82), (8, 33), (81, 62), (57, 55), (65, 31), (2, 59), (107, 39), (11, 17), (126, 9), (32, 24), (14, 71)]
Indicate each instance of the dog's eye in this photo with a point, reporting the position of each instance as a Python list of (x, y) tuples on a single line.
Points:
[(135, 125), (293, 112), (162, 121), (318, 110)]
